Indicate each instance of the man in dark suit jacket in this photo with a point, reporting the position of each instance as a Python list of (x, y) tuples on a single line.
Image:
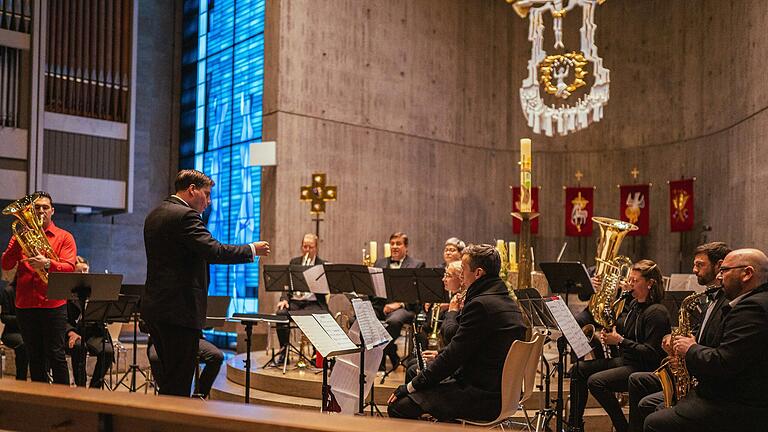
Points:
[(395, 314), (474, 359), (179, 248), (297, 300), (732, 375)]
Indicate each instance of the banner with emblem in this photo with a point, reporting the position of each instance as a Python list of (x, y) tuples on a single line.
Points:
[(635, 207), (579, 205), (681, 205), (534, 208)]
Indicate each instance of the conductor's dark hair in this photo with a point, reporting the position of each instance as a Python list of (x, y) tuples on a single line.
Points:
[(191, 177), (483, 256)]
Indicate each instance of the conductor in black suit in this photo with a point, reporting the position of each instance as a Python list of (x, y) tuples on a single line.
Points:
[(474, 360), (732, 375), (179, 249), (395, 314), (298, 300)]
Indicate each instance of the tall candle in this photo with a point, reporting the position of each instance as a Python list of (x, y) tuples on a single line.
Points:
[(525, 176), (387, 252), (512, 254), (500, 245), (374, 249)]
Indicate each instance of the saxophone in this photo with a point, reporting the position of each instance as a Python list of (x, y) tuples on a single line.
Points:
[(675, 380)]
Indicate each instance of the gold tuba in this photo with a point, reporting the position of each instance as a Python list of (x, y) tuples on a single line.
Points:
[(28, 230), (612, 269), (675, 380)]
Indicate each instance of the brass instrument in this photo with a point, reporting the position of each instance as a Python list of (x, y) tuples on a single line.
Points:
[(433, 341), (612, 269), (367, 261), (28, 230), (675, 379)]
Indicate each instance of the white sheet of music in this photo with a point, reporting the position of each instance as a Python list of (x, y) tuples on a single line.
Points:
[(377, 275), (316, 281), (336, 333), (317, 334), (569, 326), (345, 378), (374, 332)]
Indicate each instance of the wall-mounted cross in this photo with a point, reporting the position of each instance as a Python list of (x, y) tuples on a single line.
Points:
[(578, 176), (635, 172), (317, 194)]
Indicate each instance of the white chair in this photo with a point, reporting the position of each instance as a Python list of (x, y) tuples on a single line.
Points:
[(529, 379), (511, 384)]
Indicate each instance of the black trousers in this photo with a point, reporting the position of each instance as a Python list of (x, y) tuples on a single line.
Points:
[(177, 352), (602, 378), (645, 397), (15, 341), (405, 408), (43, 331), (283, 330), (211, 357), (99, 347)]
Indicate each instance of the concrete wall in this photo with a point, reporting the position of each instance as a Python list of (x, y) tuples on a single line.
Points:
[(412, 109)]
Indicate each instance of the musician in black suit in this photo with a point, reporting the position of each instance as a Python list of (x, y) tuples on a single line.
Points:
[(179, 249), (11, 333), (645, 395), (297, 300), (733, 375), (395, 314), (474, 359)]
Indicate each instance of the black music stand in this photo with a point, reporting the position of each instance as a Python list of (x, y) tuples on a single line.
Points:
[(86, 289), (137, 292), (533, 306), (568, 278), (248, 321), (349, 278)]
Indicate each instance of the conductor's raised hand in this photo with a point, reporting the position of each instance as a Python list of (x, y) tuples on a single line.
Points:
[(262, 248)]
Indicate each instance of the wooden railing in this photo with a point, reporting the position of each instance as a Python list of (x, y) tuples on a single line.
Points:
[(36, 406)]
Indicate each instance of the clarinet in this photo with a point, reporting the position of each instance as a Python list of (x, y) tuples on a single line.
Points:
[(417, 353)]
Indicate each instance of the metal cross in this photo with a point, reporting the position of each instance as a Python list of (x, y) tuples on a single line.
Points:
[(579, 175), (635, 172), (317, 194)]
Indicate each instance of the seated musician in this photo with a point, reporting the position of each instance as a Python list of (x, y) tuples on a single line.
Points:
[(452, 251), (449, 323), (645, 395), (638, 335), (300, 300), (97, 340), (207, 353), (732, 374), (464, 380), (11, 333), (395, 314)]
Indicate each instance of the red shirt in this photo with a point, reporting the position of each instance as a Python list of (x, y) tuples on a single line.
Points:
[(30, 289)]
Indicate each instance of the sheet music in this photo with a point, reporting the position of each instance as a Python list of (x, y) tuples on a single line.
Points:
[(316, 281), (344, 379), (315, 333), (569, 326), (377, 275), (374, 333)]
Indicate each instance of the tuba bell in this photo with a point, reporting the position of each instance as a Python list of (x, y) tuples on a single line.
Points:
[(611, 269), (28, 230)]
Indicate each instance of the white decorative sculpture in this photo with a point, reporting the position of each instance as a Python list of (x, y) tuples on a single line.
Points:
[(543, 68)]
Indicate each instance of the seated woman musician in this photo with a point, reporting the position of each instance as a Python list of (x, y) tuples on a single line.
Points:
[(638, 335)]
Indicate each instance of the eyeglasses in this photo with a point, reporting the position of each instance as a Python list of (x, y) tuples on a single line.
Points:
[(724, 269)]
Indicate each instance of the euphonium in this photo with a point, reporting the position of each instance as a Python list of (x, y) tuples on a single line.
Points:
[(28, 230), (674, 377), (610, 268)]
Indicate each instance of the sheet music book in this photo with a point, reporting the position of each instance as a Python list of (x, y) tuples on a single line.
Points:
[(316, 281), (568, 325), (377, 275), (325, 334), (374, 334), (345, 377)]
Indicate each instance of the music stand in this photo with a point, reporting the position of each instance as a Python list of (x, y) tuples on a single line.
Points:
[(416, 285), (533, 305), (568, 278), (85, 288), (349, 278), (137, 291)]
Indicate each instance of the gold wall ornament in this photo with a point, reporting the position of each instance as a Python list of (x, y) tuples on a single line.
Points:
[(560, 65), (552, 71), (318, 193)]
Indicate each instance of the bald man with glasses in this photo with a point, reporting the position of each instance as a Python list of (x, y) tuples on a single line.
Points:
[(733, 375)]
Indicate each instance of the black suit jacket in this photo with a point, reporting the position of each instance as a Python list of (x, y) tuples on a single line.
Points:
[(408, 262), (379, 302), (489, 322), (179, 248), (733, 375), (320, 297)]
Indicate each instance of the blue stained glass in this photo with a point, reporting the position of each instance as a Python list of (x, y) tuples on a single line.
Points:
[(229, 92)]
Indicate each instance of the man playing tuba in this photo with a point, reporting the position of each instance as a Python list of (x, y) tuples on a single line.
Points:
[(43, 322)]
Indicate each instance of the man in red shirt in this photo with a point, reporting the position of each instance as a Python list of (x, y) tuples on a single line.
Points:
[(43, 322)]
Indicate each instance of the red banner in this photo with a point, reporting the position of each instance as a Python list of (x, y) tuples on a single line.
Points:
[(635, 207), (579, 205), (681, 205), (534, 208)]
